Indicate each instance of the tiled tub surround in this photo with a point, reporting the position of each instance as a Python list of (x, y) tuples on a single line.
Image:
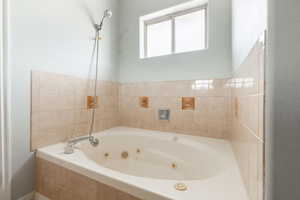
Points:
[(147, 174), (230, 109), (58, 183), (247, 135), (208, 116), (59, 107)]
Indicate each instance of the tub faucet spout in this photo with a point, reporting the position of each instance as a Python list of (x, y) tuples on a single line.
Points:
[(69, 149)]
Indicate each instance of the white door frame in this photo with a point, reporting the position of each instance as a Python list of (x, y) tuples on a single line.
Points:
[(4, 120)]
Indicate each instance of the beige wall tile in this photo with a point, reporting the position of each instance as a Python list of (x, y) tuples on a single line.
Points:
[(247, 111), (163, 102), (81, 187), (201, 122), (35, 91), (253, 122), (261, 107), (125, 196), (106, 193), (49, 136), (211, 102), (217, 108), (82, 116), (58, 183), (176, 121), (216, 129), (59, 109), (119, 105)]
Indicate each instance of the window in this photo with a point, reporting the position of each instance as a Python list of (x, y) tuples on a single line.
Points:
[(175, 32), (159, 39), (190, 32)]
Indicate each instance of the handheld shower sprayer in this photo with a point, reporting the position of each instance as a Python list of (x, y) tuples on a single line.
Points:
[(95, 59), (107, 14)]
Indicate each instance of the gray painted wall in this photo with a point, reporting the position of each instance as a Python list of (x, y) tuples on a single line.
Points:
[(212, 63), (249, 21), (283, 101), (53, 36)]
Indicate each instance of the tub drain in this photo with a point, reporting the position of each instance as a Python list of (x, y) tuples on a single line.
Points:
[(180, 187)]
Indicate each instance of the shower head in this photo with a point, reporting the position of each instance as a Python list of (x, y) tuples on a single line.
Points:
[(107, 14)]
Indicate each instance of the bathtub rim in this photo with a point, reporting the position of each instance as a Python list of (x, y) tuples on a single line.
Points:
[(53, 153)]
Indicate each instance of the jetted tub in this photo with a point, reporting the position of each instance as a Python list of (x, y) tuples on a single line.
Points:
[(149, 164)]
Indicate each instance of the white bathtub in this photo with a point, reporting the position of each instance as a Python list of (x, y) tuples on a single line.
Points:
[(153, 162)]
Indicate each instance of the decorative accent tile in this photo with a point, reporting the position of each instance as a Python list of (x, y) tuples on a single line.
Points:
[(90, 102), (188, 103), (144, 102)]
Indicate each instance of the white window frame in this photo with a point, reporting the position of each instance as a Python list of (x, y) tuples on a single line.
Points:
[(172, 17)]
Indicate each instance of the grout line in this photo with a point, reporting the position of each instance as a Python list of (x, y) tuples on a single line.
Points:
[(253, 95), (251, 131)]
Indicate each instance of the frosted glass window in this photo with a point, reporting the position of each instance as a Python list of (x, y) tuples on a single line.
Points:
[(190, 32), (159, 39)]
